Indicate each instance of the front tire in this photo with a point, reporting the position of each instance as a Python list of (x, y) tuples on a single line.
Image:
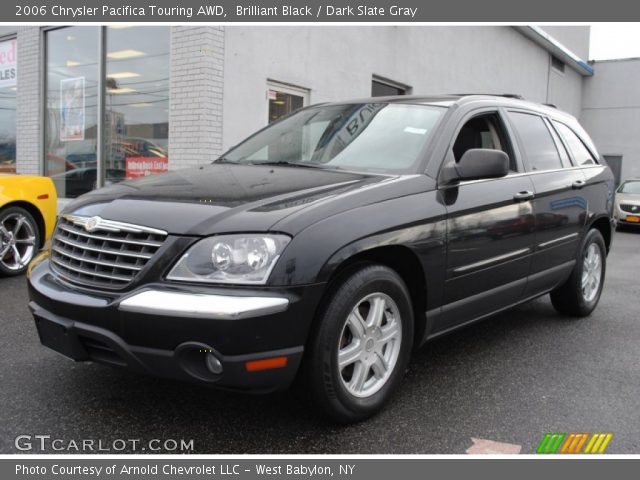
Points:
[(361, 345), (579, 295), (19, 240)]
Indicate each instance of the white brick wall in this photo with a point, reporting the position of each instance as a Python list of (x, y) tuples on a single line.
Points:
[(196, 86), (28, 123)]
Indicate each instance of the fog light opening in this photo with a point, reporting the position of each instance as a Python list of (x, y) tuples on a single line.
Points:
[(199, 361), (213, 364)]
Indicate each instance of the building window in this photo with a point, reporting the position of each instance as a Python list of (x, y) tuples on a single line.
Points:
[(382, 87), (284, 99), (135, 94), (8, 87), (557, 64)]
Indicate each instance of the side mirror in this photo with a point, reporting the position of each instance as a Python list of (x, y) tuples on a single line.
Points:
[(478, 163)]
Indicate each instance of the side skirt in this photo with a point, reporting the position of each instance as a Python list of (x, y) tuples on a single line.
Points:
[(538, 285)]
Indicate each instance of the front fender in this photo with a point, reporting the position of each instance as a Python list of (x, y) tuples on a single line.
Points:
[(414, 221), (40, 192)]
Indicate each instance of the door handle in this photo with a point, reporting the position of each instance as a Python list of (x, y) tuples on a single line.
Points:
[(523, 196), (578, 184)]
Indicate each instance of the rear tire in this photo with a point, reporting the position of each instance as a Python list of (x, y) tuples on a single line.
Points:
[(19, 240), (579, 295), (361, 344)]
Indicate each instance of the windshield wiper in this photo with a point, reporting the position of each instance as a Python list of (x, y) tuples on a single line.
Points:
[(225, 160), (291, 164)]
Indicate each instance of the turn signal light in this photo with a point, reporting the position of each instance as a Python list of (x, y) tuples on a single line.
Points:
[(266, 364)]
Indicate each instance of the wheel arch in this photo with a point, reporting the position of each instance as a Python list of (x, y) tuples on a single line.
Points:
[(405, 263), (603, 225), (35, 213)]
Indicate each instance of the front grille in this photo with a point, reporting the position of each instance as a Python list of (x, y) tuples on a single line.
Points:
[(102, 253), (626, 207)]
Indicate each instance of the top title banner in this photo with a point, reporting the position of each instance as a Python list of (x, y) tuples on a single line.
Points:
[(223, 11)]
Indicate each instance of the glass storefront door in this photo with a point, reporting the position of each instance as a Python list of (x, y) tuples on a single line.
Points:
[(137, 102), (71, 113)]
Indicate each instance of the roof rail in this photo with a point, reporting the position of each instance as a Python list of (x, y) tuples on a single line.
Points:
[(506, 95), (550, 105)]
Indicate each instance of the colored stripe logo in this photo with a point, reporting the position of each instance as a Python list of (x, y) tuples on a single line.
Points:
[(574, 443)]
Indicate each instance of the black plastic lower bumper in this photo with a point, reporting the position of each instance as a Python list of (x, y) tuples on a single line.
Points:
[(620, 222), (82, 342)]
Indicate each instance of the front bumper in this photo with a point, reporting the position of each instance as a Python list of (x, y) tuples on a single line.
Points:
[(176, 331), (622, 220), (622, 217)]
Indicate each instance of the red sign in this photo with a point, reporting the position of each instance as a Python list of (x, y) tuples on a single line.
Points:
[(137, 167), (8, 63)]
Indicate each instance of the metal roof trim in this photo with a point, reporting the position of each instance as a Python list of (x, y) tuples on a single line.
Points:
[(553, 46)]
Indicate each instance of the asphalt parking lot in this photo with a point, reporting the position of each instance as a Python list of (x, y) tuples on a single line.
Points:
[(510, 379)]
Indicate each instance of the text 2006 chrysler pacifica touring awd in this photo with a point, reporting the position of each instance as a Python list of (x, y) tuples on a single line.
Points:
[(329, 245)]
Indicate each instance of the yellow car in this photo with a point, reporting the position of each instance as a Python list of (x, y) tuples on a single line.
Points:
[(27, 217)]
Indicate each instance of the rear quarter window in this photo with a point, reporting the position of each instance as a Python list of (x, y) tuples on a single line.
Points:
[(580, 153)]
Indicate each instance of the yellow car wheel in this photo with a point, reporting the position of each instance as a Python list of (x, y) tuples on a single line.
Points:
[(19, 240)]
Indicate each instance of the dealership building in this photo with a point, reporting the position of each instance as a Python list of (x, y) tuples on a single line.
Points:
[(92, 105)]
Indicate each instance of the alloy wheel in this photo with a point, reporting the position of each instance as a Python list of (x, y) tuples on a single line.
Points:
[(591, 272), (17, 241), (369, 345)]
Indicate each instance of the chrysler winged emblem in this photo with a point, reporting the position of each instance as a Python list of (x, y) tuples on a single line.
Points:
[(92, 224)]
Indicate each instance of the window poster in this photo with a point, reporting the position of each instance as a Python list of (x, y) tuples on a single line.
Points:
[(72, 103), (8, 63)]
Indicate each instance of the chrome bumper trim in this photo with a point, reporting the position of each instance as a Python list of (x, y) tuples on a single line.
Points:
[(194, 305)]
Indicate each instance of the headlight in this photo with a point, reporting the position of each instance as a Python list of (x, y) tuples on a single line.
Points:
[(237, 259)]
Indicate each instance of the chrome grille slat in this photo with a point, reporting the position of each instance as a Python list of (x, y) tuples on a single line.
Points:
[(88, 272), (102, 250), (102, 253), (103, 263), (76, 231)]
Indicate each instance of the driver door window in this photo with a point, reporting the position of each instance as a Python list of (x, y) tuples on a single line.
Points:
[(483, 131)]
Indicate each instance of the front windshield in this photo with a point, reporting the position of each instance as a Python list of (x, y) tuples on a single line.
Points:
[(379, 137), (630, 187)]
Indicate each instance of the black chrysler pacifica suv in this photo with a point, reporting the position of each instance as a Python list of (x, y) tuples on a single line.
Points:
[(331, 244)]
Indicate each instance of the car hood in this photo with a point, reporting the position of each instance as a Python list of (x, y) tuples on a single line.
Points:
[(628, 198), (220, 198)]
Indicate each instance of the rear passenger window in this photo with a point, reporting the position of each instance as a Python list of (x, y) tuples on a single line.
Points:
[(537, 143), (580, 153)]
